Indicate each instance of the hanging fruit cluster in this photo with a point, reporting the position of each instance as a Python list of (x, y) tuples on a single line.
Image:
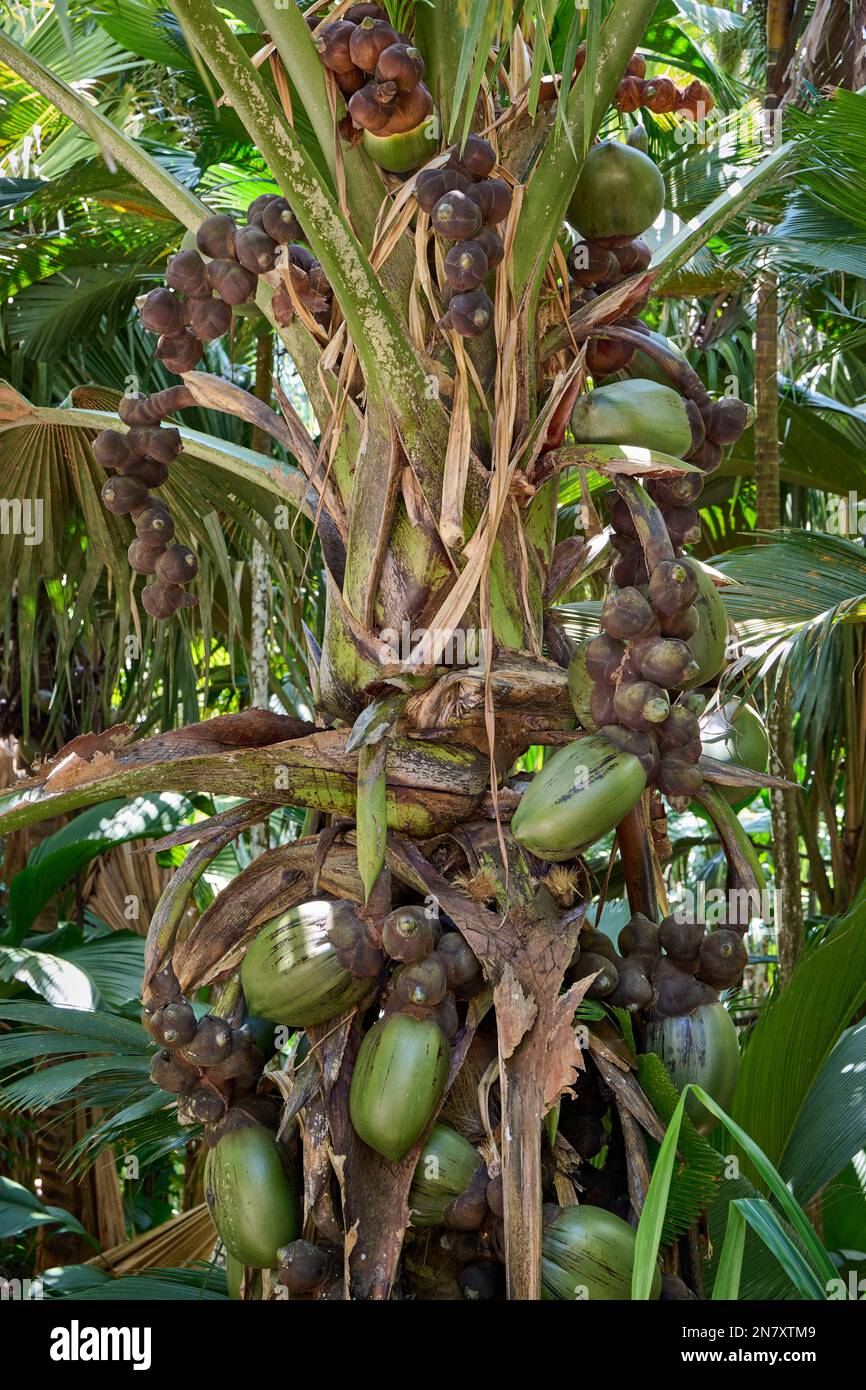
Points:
[(195, 307), (140, 461), (665, 970), (379, 70), (208, 1064), (467, 207)]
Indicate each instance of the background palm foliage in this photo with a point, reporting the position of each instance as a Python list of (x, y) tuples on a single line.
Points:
[(80, 239)]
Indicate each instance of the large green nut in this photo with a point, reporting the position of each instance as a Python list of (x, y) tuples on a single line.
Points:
[(701, 1047), (444, 1170), (619, 194), (580, 794), (588, 1253), (736, 734), (252, 1196), (291, 973), (399, 1079), (709, 644), (641, 413)]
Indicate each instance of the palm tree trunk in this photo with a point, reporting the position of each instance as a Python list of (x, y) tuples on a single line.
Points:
[(260, 579), (786, 842)]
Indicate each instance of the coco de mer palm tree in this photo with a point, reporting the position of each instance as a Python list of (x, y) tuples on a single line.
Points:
[(446, 300)]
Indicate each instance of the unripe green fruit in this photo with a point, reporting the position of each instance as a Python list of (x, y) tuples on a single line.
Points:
[(251, 1194), (581, 793), (619, 194), (588, 1253), (399, 1078), (703, 1048)]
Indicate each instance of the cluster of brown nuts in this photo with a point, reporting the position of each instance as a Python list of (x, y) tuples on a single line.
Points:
[(662, 969), (377, 68), (206, 1063), (466, 208)]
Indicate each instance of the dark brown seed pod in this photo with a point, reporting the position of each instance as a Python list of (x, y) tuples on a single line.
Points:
[(469, 1210), (478, 158), (422, 983), (683, 625), (629, 94), (496, 1196), (205, 1105), (216, 237), (667, 661), (471, 314), (680, 727), (187, 273), (400, 64), (209, 319), (709, 456), (159, 443), (369, 39), (171, 1075), (723, 958), (349, 937), (604, 356), (678, 778), (447, 1017), (408, 110), (408, 934), (332, 45), (636, 65), (160, 600), (660, 95), (151, 472), (356, 13), (350, 82), (177, 565), (678, 992), (604, 656), (608, 974), (153, 524), (601, 708), (280, 222), (465, 265), (162, 312), (174, 1024), (641, 744), (243, 1061), (626, 614), (123, 495), (110, 449), (681, 940), (211, 1043), (180, 353), (634, 256), (639, 936), (695, 101), (684, 525), (640, 704), (143, 557), (456, 217), (433, 184), (591, 264), (366, 110), (493, 245), (630, 568), (232, 282), (459, 961), (728, 418), (500, 202), (256, 209), (302, 1266), (676, 492), (672, 586), (255, 250), (137, 409)]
